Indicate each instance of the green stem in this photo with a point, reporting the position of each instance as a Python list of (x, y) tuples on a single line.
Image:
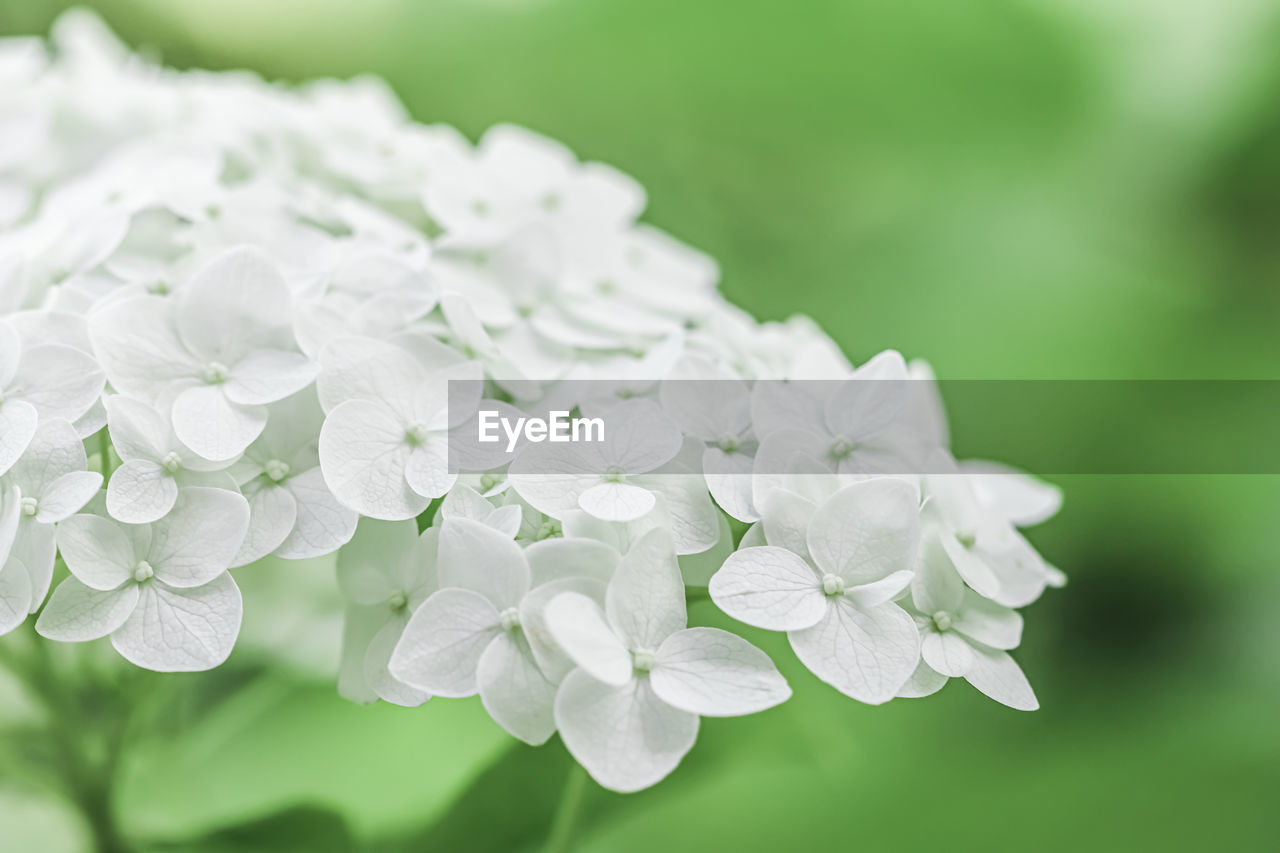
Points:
[(104, 450), (566, 818)]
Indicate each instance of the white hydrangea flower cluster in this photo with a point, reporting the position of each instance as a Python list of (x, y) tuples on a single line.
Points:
[(247, 302)]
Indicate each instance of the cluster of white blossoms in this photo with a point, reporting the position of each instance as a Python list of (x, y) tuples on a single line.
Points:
[(230, 314)]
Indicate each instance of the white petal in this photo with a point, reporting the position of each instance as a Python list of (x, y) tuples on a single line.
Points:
[(971, 567), (367, 566), (645, 602), (1017, 496), (947, 652), (577, 624), (137, 343), (616, 501), (238, 300), (474, 556), (76, 613), (10, 352), (137, 430), (872, 400), (551, 658), (182, 630), (140, 491), (15, 595), (360, 624), (364, 454), (730, 483), (626, 737), (379, 678), (770, 588), (67, 495), (553, 559), (925, 681), (866, 654), (695, 521), (936, 585), (268, 375), (17, 427), (999, 676), (786, 516), (97, 551), (514, 691), (197, 540), (36, 548), (716, 674), (323, 525), (867, 530), (272, 513), (427, 471), (61, 382), (988, 623), (878, 592), (214, 427), (640, 437), (442, 644), (367, 369)]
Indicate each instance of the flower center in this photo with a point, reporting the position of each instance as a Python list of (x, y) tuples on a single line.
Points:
[(488, 481), (172, 462), (832, 585), (510, 619), (277, 470), (416, 434), (159, 288), (841, 448), (143, 572), (967, 538), (614, 474), (30, 506), (215, 373), (942, 620), (642, 660), (728, 443), (398, 602), (548, 529)]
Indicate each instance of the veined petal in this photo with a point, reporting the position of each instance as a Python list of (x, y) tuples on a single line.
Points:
[(239, 301), (441, 646), (272, 514), (572, 557), (865, 654), (645, 600), (15, 594), (182, 630), (96, 551), (427, 472), (987, 622), (214, 427), (769, 587), (616, 501), (878, 592), (716, 674), (136, 341), (268, 375), (577, 624), (514, 691), (323, 525), (197, 540), (367, 567), (925, 681), (474, 556), (625, 736), (554, 662), (140, 491), (364, 455), (936, 585), (997, 675), (947, 652), (60, 381), (356, 368), (866, 530), (76, 613), (68, 494), (18, 422), (137, 430), (378, 676)]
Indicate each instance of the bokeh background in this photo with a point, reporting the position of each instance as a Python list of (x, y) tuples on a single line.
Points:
[(1080, 189)]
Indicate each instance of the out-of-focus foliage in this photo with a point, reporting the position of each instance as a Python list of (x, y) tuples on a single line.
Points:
[(1009, 188)]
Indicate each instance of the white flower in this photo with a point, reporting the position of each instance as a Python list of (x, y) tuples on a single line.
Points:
[(154, 463), (384, 446), (465, 502), (40, 381), (219, 351), (964, 635), (292, 512), (52, 484), (386, 571), (828, 578), (630, 711), (161, 591), (983, 546), (620, 478), (473, 636)]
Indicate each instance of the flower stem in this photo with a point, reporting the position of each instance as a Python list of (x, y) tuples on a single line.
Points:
[(566, 817), (104, 451)]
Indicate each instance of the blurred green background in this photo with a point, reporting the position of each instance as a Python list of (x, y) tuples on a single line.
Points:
[(1008, 188)]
